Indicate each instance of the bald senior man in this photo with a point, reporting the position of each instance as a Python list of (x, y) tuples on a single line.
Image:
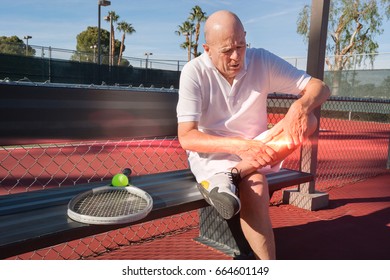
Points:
[(222, 124)]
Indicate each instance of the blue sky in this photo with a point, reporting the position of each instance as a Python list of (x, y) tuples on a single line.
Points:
[(270, 24)]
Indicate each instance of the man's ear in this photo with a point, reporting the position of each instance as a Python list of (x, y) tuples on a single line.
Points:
[(206, 48)]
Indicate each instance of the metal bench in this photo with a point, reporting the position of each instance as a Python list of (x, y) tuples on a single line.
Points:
[(38, 219), (35, 220)]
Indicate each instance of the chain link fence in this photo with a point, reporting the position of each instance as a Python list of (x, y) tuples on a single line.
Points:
[(369, 61), (353, 145), (354, 140), (91, 57)]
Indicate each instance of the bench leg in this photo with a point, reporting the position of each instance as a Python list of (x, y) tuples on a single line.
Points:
[(223, 235)]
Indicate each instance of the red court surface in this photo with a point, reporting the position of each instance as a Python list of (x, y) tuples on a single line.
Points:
[(356, 225)]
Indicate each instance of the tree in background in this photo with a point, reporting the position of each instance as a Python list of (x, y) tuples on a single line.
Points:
[(189, 28), (86, 42), (15, 46), (198, 16), (186, 29), (112, 18), (353, 26), (126, 28)]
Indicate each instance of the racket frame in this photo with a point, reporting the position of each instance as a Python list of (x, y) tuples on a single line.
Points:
[(121, 219)]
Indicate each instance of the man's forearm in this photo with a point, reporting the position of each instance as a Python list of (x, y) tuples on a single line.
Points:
[(255, 152), (198, 141), (315, 94)]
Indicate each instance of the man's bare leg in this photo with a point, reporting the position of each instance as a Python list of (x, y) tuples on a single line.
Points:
[(254, 215), (254, 196)]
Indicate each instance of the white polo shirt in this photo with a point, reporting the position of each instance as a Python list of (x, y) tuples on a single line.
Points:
[(206, 97)]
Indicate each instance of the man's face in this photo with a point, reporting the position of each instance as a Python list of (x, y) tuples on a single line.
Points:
[(227, 52)]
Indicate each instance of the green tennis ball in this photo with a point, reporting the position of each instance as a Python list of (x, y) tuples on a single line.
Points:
[(120, 180)]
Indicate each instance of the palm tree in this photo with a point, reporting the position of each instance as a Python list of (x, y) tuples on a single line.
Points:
[(186, 29), (126, 28), (112, 17), (198, 16)]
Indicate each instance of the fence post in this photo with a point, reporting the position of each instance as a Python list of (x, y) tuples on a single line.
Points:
[(49, 64), (305, 196), (388, 155)]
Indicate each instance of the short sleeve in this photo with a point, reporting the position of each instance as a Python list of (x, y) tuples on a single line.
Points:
[(190, 100), (284, 77)]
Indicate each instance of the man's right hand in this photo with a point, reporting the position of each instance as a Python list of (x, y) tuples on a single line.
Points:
[(257, 153)]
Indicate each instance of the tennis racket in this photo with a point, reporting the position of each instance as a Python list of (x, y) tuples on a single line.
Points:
[(110, 205)]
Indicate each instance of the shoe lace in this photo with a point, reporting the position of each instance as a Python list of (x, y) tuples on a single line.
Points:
[(234, 176)]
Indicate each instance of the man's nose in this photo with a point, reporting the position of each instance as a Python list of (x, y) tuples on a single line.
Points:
[(235, 55)]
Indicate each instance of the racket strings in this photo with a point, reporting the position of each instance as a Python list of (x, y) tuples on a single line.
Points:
[(110, 203)]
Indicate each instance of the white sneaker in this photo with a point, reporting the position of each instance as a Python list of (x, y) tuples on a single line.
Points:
[(220, 192)]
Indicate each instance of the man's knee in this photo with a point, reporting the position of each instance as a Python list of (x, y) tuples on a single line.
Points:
[(255, 183)]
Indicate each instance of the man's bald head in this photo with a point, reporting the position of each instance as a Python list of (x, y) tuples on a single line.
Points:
[(221, 22), (225, 43)]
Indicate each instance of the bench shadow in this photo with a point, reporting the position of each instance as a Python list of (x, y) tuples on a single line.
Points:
[(345, 238)]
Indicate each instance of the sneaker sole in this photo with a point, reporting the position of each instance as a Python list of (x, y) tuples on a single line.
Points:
[(225, 204)]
